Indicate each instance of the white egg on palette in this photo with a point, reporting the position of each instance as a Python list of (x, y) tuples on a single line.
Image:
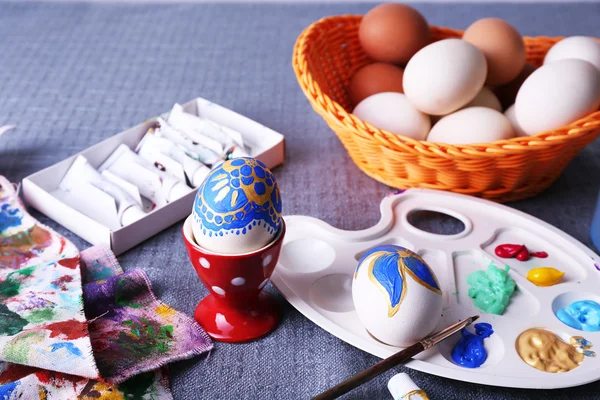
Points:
[(396, 295), (575, 47), (471, 126), (393, 112), (238, 208), (444, 76), (557, 94)]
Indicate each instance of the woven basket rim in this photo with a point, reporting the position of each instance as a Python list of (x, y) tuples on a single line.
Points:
[(347, 120)]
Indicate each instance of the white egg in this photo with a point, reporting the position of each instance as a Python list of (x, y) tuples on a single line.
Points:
[(470, 126), (511, 115), (575, 47), (485, 98), (238, 208), (444, 76), (393, 112), (557, 94), (396, 295)]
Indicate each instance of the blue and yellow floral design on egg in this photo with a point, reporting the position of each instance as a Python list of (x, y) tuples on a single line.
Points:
[(389, 267), (237, 196)]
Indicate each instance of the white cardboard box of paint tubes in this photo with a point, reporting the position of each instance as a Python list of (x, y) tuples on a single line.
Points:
[(95, 216)]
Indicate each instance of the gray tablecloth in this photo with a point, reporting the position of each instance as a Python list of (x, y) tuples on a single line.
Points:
[(74, 74)]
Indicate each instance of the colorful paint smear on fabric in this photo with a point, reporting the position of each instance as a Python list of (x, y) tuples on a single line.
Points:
[(38, 268), (131, 331)]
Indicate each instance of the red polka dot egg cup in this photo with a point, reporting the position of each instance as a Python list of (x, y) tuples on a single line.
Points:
[(237, 309)]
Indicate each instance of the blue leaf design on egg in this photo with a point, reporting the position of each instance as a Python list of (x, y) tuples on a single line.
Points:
[(387, 268)]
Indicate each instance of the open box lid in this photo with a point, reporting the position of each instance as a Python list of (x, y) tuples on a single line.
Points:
[(266, 145)]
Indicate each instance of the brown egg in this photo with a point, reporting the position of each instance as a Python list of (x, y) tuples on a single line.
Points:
[(502, 46), (375, 78), (508, 93), (393, 33)]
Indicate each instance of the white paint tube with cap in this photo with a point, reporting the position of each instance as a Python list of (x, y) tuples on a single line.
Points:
[(403, 388), (158, 186), (162, 151), (193, 149), (211, 134), (81, 172)]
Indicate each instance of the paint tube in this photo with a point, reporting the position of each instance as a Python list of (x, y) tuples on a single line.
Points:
[(81, 171), (173, 158), (217, 137), (403, 388), (191, 148), (153, 183)]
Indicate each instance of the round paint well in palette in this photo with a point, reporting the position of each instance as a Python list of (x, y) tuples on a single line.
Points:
[(333, 293), (578, 310), (307, 255)]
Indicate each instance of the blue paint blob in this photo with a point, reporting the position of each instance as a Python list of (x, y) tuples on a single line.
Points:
[(7, 390), (70, 347), (469, 352), (238, 162), (583, 315), (247, 180), (235, 173), (244, 231), (259, 188), (260, 172), (9, 217)]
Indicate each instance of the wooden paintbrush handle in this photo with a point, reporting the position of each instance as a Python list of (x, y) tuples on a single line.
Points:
[(370, 373)]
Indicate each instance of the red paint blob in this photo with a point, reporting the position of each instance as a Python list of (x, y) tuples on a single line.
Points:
[(518, 251), (71, 263), (539, 254), (71, 329)]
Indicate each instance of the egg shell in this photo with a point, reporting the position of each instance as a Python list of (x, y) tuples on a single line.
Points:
[(557, 94), (502, 45), (444, 76), (375, 78), (393, 112), (575, 47), (508, 93), (238, 208), (411, 319), (485, 98), (511, 115), (393, 33), (471, 126)]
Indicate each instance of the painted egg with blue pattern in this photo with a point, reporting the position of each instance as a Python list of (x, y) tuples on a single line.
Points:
[(237, 208), (396, 295)]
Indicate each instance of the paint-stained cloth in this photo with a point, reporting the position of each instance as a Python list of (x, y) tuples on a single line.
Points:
[(49, 349)]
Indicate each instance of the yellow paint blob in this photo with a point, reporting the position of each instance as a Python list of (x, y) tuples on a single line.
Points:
[(165, 310), (545, 276), (104, 390), (545, 351)]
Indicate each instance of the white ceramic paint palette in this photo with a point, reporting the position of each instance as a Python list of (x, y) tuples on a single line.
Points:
[(317, 263)]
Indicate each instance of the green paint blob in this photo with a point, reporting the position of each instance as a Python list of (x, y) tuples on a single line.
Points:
[(11, 285), (125, 301), (491, 289), (10, 322), (146, 337), (17, 351), (137, 387), (41, 315)]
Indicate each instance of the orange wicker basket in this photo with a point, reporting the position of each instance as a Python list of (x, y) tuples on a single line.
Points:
[(328, 53)]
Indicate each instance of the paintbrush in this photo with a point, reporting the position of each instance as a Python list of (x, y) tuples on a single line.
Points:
[(394, 360)]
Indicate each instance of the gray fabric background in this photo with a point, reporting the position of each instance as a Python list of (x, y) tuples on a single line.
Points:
[(72, 75)]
